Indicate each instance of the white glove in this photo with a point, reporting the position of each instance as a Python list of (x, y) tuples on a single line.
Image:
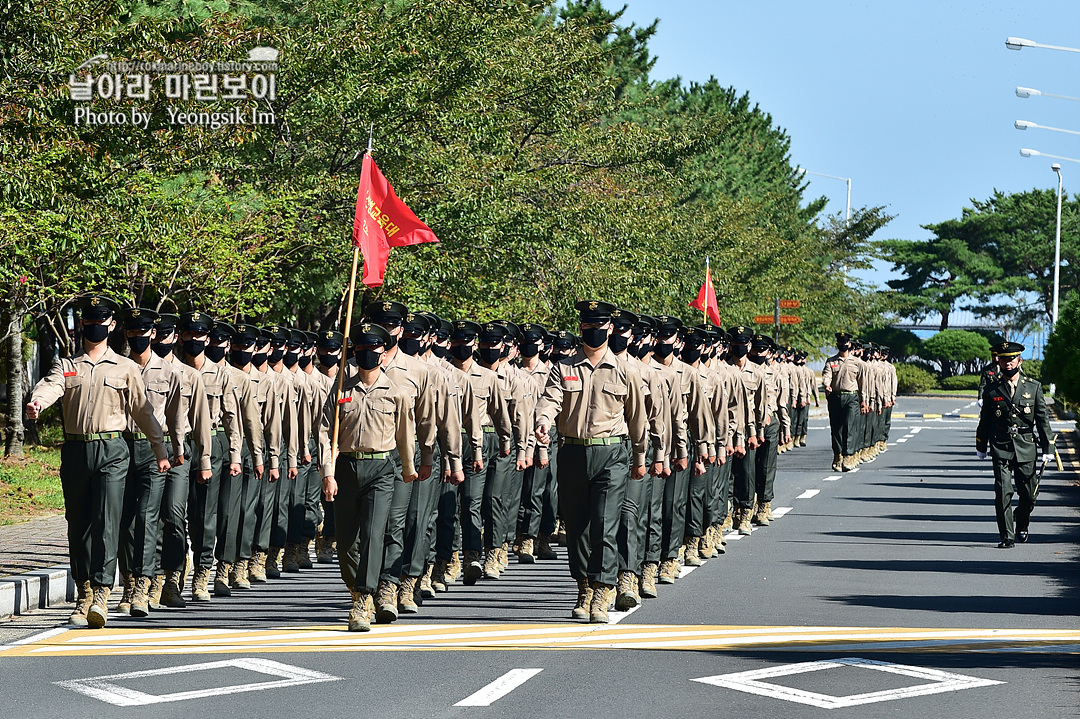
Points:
[(1047, 458), (980, 455), (980, 401)]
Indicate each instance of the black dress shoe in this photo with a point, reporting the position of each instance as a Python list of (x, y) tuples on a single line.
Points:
[(1022, 536), (1006, 544)]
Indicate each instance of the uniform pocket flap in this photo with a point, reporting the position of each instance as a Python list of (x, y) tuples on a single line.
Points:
[(613, 388), (115, 382)]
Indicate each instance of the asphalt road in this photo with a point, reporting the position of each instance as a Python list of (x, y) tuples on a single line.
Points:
[(878, 593)]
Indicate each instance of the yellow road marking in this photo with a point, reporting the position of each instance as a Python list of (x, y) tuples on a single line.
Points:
[(931, 416), (969, 416), (504, 637)]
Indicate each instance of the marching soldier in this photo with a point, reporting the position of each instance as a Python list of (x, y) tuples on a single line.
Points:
[(538, 478), (272, 526), (744, 466), (777, 426), (374, 418), (100, 392), (695, 340), (328, 348), (597, 402), (1013, 424), (843, 379)]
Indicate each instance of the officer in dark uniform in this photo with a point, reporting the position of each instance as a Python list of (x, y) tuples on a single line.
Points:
[(1012, 425)]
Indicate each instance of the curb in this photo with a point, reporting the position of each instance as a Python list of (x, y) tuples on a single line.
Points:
[(39, 589), (952, 415)]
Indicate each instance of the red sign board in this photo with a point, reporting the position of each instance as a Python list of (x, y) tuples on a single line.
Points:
[(763, 320), (789, 320), (790, 305)]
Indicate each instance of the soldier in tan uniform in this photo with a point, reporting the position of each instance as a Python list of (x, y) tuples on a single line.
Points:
[(328, 349), (777, 426), (225, 428), (145, 484), (172, 535), (100, 391), (374, 417), (537, 479), (598, 402), (744, 467), (273, 532), (695, 340), (842, 378)]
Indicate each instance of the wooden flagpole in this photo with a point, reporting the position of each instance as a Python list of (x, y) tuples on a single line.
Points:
[(348, 329)]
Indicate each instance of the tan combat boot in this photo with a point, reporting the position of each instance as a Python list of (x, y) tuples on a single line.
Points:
[(386, 599), (440, 575), (718, 541), (705, 544), (690, 552), (360, 616), (273, 570), (325, 553), (303, 554), (648, 579), (221, 580), (728, 524), (584, 601), (525, 551), (456, 568), (472, 569), (406, 602), (140, 599), (601, 603), (560, 533), (99, 608), (669, 571), (157, 584), (289, 559), (199, 581), (760, 517), (627, 597), (82, 604), (743, 519), (257, 568), (170, 593), (543, 548), (504, 557), (238, 578), (427, 590), (492, 567), (837, 462), (802, 440), (768, 511), (848, 463), (128, 580)]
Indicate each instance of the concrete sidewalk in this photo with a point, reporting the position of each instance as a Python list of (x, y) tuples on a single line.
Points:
[(33, 566)]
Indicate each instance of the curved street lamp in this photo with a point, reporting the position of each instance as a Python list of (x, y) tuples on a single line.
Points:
[(1025, 152), (1018, 43), (1032, 92), (1024, 124)]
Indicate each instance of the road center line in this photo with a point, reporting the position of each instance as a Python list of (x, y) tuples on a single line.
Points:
[(902, 440), (808, 494), (781, 511), (833, 478), (499, 688)]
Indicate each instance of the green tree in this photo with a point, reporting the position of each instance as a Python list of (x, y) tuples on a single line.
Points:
[(950, 348), (1061, 361)]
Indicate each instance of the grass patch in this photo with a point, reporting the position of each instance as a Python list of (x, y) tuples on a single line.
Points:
[(30, 485), (953, 392)]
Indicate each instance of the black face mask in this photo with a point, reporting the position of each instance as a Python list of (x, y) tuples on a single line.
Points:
[(690, 354), (739, 351), (368, 359), (259, 358), (663, 350), (843, 347), (162, 349), (392, 342), (618, 343), (276, 354), (530, 350), (241, 358), (215, 354), (410, 346), (291, 358), (643, 350), (1010, 372), (594, 337), (194, 348), (440, 351), (461, 352), (489, 355), (138, 345), (95, 333), (328, 360), (304, 361), (757, 359)]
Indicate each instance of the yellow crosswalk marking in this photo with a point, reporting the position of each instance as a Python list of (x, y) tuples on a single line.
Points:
[(503, 637)]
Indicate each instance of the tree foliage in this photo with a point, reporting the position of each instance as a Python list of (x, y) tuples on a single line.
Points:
[(1061, 362), (950, 348)]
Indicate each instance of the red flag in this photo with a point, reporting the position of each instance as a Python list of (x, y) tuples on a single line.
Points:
[(706, 300), (382, 221)]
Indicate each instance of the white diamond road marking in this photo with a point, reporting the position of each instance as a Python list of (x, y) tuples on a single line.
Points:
[(106, 690), (499, 688), (809, 493), (748, 682), (781, 511), (833, 478)]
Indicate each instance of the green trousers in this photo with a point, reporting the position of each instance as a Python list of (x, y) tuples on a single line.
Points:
[(471, 498), (142, 506), (634, 520), (592, 487), (172, 540), (361, 508), (231, 509), (765, 461), (1020, 477), (418, 532), (93, 475), (449, 504)]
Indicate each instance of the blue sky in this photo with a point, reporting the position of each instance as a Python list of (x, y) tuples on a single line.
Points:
[(914, 100)]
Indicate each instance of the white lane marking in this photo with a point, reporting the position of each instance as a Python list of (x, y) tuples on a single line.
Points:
[(684, 570), (616, 617), (735, 536), (940, 682), (853, 471), (833, 478), (902, 440), (499, 688), (916, 430), (40, 636), (809, 493), (104, 688), (781, 511)]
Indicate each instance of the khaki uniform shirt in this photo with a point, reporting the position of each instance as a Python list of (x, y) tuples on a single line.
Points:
[(845, 374), (197, 410), (261, 385), (517, 389), (100, 397), (537, 380), (754, 381), (435, 415), (164, 389), (370, 419), (221, 403), (284, 393), (585, 402), (658, 410), (461, 407), (489, 407), (250, 414)]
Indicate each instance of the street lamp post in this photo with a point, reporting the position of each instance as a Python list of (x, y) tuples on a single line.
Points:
[(1057, 248), (1018, 43), (1025, 152), (1024, 124), (847, 212), (1032, 92)]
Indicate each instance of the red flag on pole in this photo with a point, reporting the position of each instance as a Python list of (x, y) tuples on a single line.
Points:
[(382, 221), (706, 299)]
